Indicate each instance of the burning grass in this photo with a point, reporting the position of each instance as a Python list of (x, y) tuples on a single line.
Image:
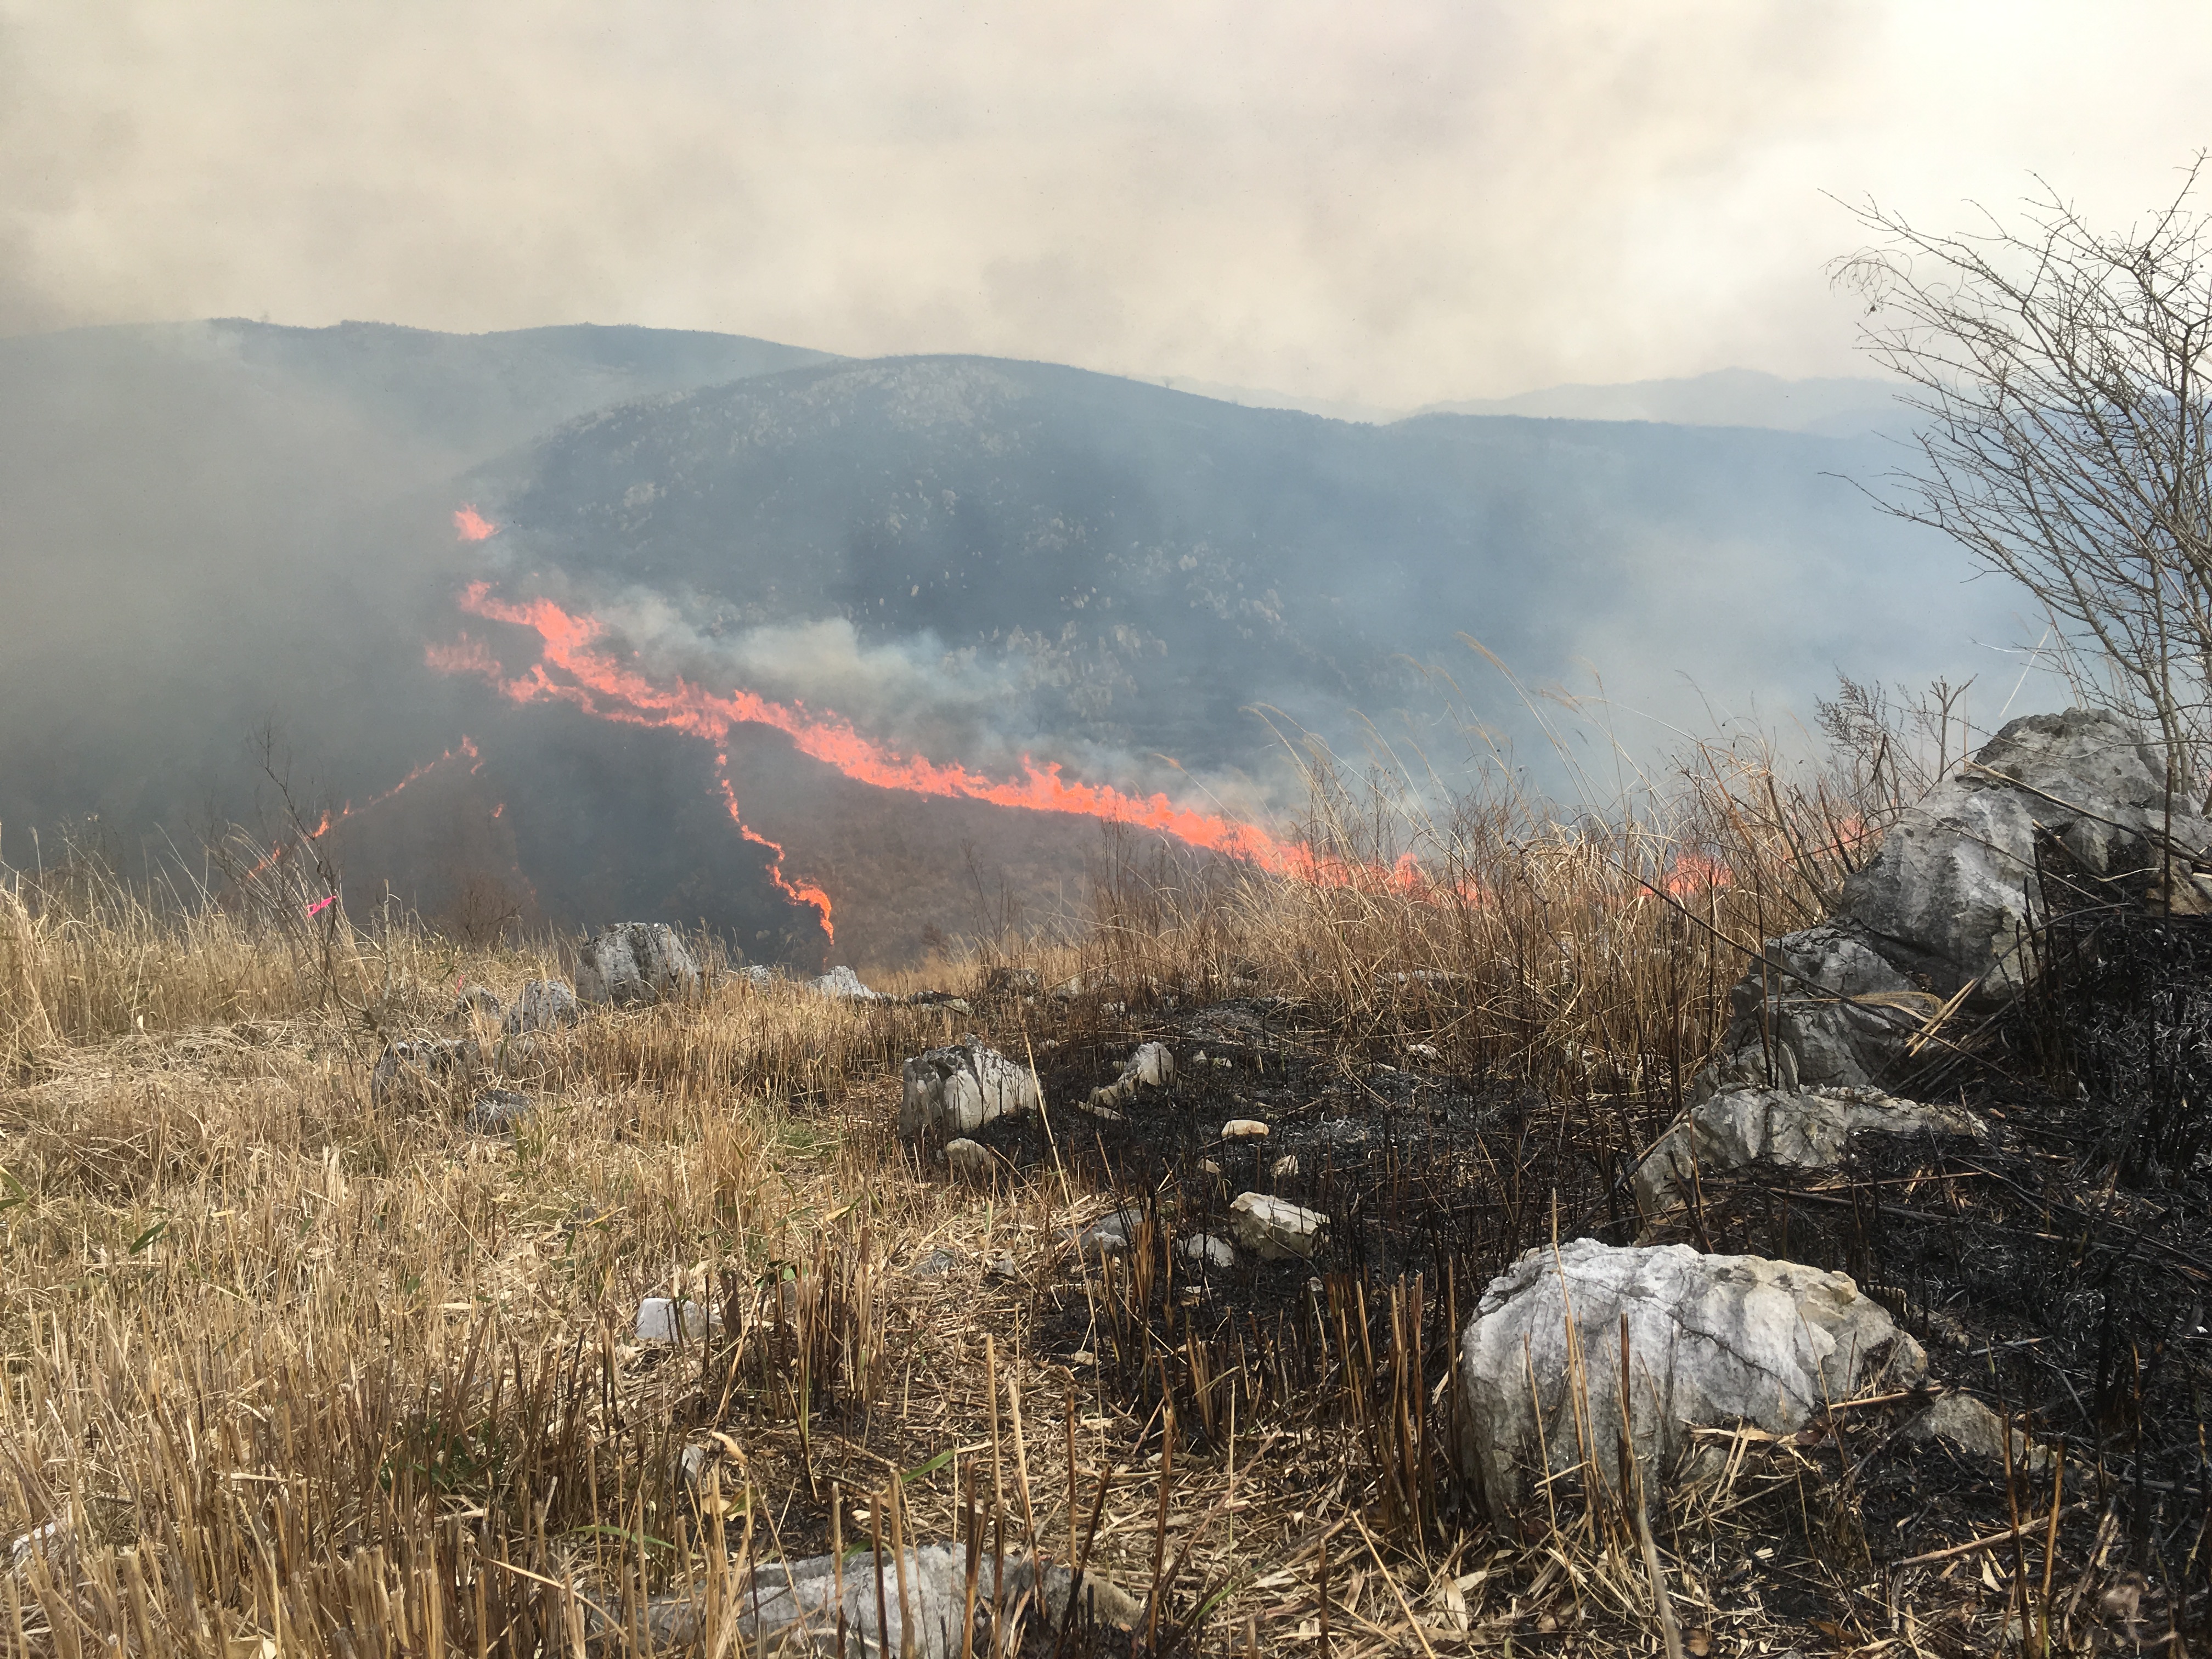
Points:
[(290, 1372)]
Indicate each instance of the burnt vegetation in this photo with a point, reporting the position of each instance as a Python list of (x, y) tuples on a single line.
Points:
[(286, 1363)]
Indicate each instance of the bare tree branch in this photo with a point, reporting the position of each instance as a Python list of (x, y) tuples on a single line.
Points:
[(2066, 431)]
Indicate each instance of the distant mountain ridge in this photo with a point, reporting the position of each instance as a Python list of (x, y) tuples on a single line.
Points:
[(1838, 407), (216, 526)]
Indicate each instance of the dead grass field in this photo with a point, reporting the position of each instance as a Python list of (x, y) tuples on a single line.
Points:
[(288, 1372)]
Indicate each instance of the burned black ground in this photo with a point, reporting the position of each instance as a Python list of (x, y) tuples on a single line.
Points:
[(2058, 1272)]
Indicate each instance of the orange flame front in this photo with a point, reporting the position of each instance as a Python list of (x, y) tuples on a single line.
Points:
[(574, 670), (473, 526)]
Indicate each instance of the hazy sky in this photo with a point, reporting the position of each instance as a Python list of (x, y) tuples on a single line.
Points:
[(1392, 203)]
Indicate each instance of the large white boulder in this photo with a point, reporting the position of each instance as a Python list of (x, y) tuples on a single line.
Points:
[(634, 962), (1714, 1341), (1949, 895), (1803, 1130), (955, 1090)]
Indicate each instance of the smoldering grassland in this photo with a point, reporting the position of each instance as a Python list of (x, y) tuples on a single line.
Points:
[(286, 1367)]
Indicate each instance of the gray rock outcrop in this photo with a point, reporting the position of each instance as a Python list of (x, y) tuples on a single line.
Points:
[(540, 1006), (955, 1090), (1714, 1341), (419, 1069), (1948, 896), (1804, 1130), (636, 962), (1820, 1008), (1941, 909), (793, 1610), (847, 986)]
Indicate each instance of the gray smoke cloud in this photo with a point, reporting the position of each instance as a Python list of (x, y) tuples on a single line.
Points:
[(1433, 200), (909, 693)]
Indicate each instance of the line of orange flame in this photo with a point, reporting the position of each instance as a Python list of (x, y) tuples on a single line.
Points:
[(331, 820), (593, 681), (472, 525), (572, 670)]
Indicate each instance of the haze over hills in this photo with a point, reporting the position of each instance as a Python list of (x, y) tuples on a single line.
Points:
[(965, 559), (1840, 407)]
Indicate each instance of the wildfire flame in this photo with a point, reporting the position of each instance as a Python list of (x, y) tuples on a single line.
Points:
[(330, 820), (1696, 872), (572, 671), (472, 525)]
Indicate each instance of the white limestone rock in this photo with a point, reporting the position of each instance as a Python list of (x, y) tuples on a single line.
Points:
[(1205, 1249), (792, 1609), (542, 1004), (1820, 1008), (1111, 1234), (956, 1090), (1806, 1130), (474, 999), (663, 1319), (498, 1112), (1152, 1066), (1948, 896), (636, 962), (842, 983), (425, 1069), (969, 1160), (1714, 1341), (1965, 1425), (1275, 1228)]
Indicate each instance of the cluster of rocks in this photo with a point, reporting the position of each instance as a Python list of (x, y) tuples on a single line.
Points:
[(949, 1093), (622, 966), (1935, 923)]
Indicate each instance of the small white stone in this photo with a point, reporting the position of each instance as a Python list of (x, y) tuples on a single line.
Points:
[(1152, 1066), (1243, 1128), (1274, 1228), (1111, 1234), (1213, 1252), (970, 1159), (662, 1319), (691, 1466)]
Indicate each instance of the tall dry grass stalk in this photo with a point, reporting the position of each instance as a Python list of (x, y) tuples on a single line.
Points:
[(1593, 948)]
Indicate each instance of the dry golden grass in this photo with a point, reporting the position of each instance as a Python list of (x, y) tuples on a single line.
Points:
[(290, 1371)]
